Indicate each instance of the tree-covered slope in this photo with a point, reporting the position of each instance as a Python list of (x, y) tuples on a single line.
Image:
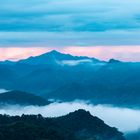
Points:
[(79, 125)]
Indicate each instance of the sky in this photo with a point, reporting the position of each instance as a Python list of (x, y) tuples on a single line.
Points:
[(97, 28)]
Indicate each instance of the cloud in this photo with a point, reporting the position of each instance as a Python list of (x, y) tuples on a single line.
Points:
[(74, 62), (3, 91), (62, 39), (17, 53), (123, 53), (62, 23), (74, 15), (113, 116)]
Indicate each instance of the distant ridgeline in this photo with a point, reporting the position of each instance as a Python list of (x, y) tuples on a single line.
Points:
[(65, 77), (80, 125), (21, 98)]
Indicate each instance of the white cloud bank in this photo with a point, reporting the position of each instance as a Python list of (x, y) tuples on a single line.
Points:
[(113, 116)]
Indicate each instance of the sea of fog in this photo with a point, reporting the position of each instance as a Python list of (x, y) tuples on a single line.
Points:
[(123, 118)]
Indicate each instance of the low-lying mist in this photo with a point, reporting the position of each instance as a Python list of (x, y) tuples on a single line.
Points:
[(3, 90), (122, 118)]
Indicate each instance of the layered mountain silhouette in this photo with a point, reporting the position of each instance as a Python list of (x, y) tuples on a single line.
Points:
[(79, 125), (55, 57), (65, 77)]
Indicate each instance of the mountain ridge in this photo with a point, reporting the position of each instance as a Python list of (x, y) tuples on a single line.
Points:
[(87, 126), (55, 53), (52, 57), (100, 82), (72, 126)]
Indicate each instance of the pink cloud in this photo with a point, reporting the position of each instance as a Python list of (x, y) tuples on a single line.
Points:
[(14, 53), (124, 53)]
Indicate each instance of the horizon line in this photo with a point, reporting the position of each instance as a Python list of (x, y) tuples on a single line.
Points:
[(53, 50), (127, 54)]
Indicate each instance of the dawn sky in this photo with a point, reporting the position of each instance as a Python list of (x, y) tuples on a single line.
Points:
[(98, 28)]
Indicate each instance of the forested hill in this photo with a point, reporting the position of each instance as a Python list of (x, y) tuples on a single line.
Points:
[(79, 125)]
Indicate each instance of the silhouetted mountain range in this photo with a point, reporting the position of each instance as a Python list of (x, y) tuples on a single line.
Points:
[(79, 125), (65, 77), (53, 57)]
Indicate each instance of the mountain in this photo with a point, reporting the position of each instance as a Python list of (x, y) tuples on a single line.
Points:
[(114, 83), (88, 127), (7, 75), (65, 77), (7, 62), (55, 57), (46, 72), (79, 125), (114, 61), (21, 98), (50, 71)]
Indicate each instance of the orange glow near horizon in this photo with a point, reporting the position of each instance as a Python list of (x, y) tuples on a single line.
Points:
[(124, 53)]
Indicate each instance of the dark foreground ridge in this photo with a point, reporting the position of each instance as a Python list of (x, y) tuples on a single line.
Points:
[(79, 125)]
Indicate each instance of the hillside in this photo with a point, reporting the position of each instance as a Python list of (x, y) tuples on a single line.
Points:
[(114, 83), (21, 98), (79, 125), (88, 126)]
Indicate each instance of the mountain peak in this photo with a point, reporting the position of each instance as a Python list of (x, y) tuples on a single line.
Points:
[(54, 57), (114, 61), (86, 125), (81, 112), (54, 52)]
